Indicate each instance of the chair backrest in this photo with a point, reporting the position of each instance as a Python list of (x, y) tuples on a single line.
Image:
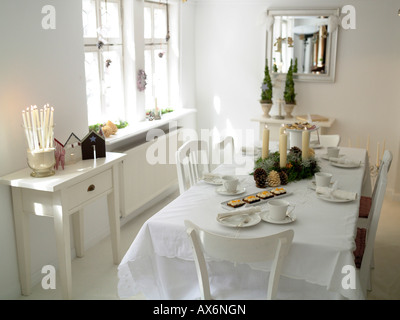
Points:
[(374, 215), (191, 162), (329, 140), (223, 151), (273, 248)]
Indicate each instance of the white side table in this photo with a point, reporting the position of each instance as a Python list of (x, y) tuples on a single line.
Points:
[(60, 196)]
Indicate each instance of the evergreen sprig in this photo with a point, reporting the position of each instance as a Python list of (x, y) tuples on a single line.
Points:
[(296, 169)]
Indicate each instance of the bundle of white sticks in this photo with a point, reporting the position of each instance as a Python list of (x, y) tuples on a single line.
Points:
[(39, 125)]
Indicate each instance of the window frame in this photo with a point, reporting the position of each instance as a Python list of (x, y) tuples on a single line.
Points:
[(109, 44)]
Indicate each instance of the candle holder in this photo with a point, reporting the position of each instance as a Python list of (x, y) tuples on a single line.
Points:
[(41, 162)]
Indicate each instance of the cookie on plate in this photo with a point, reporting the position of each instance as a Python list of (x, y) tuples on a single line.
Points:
[(265, 195), (251, 199), (278, 191), (236, 203)]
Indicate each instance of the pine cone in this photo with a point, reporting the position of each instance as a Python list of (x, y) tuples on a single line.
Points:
[(273, 179), (295, 150), (283, 177), (260, 177)]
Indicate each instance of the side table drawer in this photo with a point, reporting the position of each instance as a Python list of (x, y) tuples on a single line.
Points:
[(88, 189)]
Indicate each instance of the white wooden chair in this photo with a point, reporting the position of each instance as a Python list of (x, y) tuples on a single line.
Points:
[(364, 255), (329, 140), (269, 248), (191, 162)]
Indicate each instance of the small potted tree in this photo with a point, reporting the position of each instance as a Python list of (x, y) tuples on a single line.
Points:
[(266, 92), (289, 93)]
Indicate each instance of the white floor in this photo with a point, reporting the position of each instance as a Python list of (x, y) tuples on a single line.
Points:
[(94, 277)]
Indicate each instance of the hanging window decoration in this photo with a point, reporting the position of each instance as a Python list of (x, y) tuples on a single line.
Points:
[(141, 80)]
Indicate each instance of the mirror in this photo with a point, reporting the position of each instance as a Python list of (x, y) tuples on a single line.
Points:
[(308, 38)]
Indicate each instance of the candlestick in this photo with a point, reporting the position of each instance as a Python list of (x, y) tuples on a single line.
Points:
[(305, 144), (283, 150), (265, 143)]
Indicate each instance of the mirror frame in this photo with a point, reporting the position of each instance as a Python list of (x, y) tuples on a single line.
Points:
[(331, 45)]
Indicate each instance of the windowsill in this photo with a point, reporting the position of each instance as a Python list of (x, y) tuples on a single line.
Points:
[(135, 129)]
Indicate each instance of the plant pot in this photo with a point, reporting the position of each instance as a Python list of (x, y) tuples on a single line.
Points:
[(289, 109), (266, 107)]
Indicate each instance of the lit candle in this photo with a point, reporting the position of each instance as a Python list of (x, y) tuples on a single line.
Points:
[(377, 155), (28, 137), (283, 149), (282, 129), (305, 144), (265, 143), (51, 142)]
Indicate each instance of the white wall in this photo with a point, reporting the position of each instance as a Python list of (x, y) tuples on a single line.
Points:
[(230, 44), (37, 67)]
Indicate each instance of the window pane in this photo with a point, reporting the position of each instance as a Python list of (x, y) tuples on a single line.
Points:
[(160, 23), (148, 67), (92, 87), (112, 86), (110, 20), (147, 23), (89, 18), (160, 78)]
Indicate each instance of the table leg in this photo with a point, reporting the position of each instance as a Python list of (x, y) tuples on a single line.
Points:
[(113, 216), (62, 229), (77, 226), (21, 222)]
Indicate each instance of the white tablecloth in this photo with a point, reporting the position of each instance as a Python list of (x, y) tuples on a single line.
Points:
[(160, 263)]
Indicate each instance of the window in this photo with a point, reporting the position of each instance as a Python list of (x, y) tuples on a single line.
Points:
[(102, 31), (156, 55)]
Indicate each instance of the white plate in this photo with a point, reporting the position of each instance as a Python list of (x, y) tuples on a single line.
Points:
[(223, 191), (224, 204), (345, 165), (237, 220), (315, 145), (325, 156), (214, 181), (265, 217), (313, 186), (331, 199)]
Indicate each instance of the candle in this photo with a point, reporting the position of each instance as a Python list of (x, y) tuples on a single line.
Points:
[(265, 143), (283, 149), (282, 129), (51, 128), (305, 144), (377, 155), (28, 137), (368, 145)]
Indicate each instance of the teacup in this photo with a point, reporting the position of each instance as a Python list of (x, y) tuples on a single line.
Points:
[(230, 183), (278, 209), (322, 179), (333, 152)]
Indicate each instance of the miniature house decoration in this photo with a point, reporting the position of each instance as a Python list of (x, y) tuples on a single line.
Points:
[(73, 151), (59, 154), (93, 146)]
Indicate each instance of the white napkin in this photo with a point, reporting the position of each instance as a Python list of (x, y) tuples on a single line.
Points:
[(238, 212), (336, 193), (343, 160)]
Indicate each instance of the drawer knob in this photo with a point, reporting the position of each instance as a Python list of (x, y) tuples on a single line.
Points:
[(91, 188)]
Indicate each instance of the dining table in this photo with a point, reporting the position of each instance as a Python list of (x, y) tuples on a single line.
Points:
[(320, 263)]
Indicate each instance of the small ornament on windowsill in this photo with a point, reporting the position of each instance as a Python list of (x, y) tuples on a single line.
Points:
[(108, 63), (141, 80)]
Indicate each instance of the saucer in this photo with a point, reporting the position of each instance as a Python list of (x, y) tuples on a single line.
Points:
[(288, 219), (312, 185), (326, 157), (223, 191)]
